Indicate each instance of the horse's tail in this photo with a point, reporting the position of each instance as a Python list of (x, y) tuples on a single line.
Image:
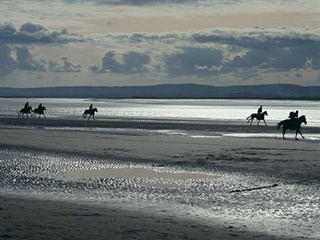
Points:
[(249, 117), (280, 124)]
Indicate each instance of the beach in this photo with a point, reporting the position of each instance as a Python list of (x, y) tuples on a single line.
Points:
[(238, 182)]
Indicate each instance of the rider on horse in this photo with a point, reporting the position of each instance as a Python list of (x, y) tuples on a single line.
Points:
[(259, 110), (26, 106), (293, 115)]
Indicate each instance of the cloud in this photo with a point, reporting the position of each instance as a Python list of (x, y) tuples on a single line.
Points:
[(285, 49), (65, 66), (191, 60), (7, 63), (34, 33), (26, 61), (130, 62)]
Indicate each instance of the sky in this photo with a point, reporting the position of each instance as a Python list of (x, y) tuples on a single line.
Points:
[(147, 42)]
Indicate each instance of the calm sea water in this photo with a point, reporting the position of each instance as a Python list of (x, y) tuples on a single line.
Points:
[(224, 109), (169, 109)]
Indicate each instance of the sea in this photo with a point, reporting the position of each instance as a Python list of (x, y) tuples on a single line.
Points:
[(180, 109)]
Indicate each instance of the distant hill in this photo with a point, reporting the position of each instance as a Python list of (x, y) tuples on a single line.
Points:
[(273, 91)]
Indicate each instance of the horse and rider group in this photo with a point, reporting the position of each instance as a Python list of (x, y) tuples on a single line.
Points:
[(40, 111), (293, 122), (28, 110)]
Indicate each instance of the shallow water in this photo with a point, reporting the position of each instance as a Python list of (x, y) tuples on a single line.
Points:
[(288, 209), (169, 109)]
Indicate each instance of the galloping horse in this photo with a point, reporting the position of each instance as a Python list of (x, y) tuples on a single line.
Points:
[(292, 124), (25, 111), (90, 112), (258, 116), (39, 111)]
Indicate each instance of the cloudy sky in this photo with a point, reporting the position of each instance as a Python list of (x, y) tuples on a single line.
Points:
[(148, 42)]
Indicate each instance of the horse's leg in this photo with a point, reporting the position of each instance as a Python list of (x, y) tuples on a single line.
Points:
[(89, 116), (283, 133), (300, 134), (258, 122), (44, 115), (93, 117), (265, 122)]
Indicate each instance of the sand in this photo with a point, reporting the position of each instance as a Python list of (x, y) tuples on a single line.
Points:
[(44, 217)]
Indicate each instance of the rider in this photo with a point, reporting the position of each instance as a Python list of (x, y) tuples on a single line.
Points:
[(90, 107), (293, 115), (26, 106), (40, 106), (260, 110)]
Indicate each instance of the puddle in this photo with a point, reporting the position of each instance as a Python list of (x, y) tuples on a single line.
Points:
[(132, 172), (12, 156)]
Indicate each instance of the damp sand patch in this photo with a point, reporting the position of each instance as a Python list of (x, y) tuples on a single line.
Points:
[(164, 179)]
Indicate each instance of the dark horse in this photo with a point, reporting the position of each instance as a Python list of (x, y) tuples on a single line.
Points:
[(39, 111), (90, 112), (258, 116), (292, 124), (23, 111)]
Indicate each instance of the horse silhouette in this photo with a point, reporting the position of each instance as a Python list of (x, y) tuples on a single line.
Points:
[(90, 112), (258, 116), (292, 124), (23, 111), (39, 111)]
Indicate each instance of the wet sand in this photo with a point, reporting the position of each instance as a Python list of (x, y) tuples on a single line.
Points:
[(32, 217)]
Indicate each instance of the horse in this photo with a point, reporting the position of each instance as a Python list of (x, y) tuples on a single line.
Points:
[(39, 111), (292, 124), (90, 112), (25, 111), (258, 116)]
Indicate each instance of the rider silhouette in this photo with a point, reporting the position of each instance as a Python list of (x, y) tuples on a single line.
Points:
[(26, 106), (40, 106), (293, 115), (260, 110), (90, 107)]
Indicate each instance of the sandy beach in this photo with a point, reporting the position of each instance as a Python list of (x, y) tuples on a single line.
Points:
[(263, 169)]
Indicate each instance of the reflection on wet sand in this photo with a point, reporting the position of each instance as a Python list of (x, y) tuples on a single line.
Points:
[(129, 172)]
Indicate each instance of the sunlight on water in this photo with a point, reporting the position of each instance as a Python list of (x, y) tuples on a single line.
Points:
[(170, 109)]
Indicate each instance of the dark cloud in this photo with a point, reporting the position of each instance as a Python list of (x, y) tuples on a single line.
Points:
[(268, 49), (7, 63), (26, 61), (65, 66), (131, 62), (32, 28), (191, 60), (34, 33)]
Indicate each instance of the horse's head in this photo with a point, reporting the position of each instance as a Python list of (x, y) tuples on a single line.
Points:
[(95, 109), (303, 119), (265, 113), (44, 108)]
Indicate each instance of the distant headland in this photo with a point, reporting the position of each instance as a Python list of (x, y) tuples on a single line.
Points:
[(170, 91)]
